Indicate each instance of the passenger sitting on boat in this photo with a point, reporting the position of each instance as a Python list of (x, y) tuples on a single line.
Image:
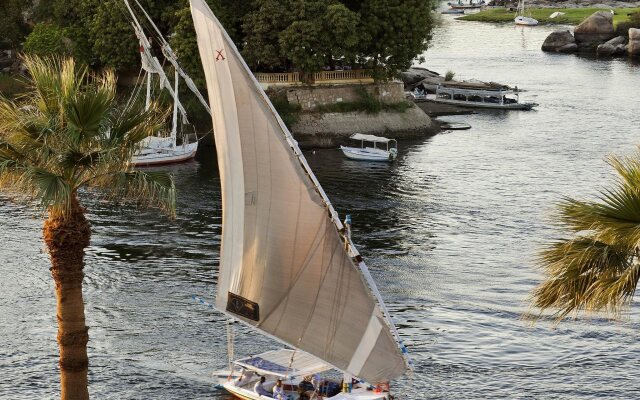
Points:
[(259, 389), (245, 377), (278, 391)]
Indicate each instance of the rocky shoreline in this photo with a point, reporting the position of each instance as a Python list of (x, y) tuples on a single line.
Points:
[(596, 34), (582, 4)]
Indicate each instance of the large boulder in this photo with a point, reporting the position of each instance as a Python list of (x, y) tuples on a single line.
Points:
[(613, 47), (560, 41), (595, 30), (634, 42), (416, 74)]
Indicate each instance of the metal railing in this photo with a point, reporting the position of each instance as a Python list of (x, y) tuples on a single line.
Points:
[(291, 78)]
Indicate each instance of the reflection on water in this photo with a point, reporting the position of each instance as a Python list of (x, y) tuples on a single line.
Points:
[(449, 231)]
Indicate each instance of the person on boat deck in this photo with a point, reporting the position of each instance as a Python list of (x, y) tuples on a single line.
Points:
[(244, 378), (259, 389), (278, 391)]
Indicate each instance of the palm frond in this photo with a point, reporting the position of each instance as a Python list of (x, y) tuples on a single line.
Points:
[(69, 132), (628, 168), (578, 271), (148, 188), (86, 113), (614, 218), (53, 191)]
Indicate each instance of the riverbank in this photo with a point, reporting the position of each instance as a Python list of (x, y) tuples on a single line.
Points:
[(572, 16)]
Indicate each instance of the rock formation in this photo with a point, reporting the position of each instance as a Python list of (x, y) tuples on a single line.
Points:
[(595, 30), (613, 47), (634, 42), (560, 41)]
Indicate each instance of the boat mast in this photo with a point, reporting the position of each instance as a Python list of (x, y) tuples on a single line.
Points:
[(174, 127), (147, 102)]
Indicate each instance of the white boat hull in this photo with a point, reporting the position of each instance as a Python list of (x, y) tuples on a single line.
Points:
[(161, 156), (526, 21), (361, 394), (510, 106), (367, 154)]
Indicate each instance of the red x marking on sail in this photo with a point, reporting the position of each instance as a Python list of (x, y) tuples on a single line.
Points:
[(219, 57)]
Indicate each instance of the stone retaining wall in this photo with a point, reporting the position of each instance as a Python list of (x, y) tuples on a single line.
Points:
[(310, 97), (332, 129)]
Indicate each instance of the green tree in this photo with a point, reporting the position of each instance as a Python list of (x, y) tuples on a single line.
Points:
[(597, 267), (262, 28), (12, 26), (66, 137), (45, 40), (343, 31), (395, 32), (322, 32)]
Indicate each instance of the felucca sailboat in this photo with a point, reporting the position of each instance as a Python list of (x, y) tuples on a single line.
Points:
[(288, 267), (163, 149)]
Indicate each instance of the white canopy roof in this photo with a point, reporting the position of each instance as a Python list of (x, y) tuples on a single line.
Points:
[(279, 363), (371, 138)]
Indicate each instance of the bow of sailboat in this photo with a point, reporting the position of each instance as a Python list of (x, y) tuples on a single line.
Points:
[(286, 268)]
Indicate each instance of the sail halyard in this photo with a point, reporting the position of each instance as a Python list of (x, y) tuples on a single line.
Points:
[(151, 64), (347, 324)]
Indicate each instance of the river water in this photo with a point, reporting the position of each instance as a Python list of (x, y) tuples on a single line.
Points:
[(450, 231)]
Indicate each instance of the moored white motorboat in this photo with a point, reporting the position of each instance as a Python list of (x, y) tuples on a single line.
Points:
[(365, 153)]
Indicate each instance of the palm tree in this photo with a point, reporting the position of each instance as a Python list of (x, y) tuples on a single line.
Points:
[(598, 267), (65, 138)]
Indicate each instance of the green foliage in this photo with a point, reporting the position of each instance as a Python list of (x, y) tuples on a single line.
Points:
[(622, 29), (68, 133), (598, 266), (46, 40), (395, 32), (114, 43), (12, 27), (10, 85), (449, 75), (262, 28), (290, 113)]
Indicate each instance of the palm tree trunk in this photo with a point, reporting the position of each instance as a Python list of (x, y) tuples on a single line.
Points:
[(67, 236)]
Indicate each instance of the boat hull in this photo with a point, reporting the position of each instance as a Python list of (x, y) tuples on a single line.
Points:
[(498, 106), (526, 21), (166, 156), (359, 154), (244, 394)]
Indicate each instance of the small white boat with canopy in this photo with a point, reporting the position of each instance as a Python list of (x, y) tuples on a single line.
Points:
[(165, 148), (371, 148), (288, 268)]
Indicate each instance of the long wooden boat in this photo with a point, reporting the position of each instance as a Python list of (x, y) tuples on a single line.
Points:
[(480, 96)]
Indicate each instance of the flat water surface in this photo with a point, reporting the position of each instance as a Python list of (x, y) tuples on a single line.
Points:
[(450, 232)]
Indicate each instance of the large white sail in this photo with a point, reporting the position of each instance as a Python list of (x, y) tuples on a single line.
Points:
[(285, 268)]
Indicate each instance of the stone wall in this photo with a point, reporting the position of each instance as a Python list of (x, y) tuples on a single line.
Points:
[(332, 129), (310, 97)]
